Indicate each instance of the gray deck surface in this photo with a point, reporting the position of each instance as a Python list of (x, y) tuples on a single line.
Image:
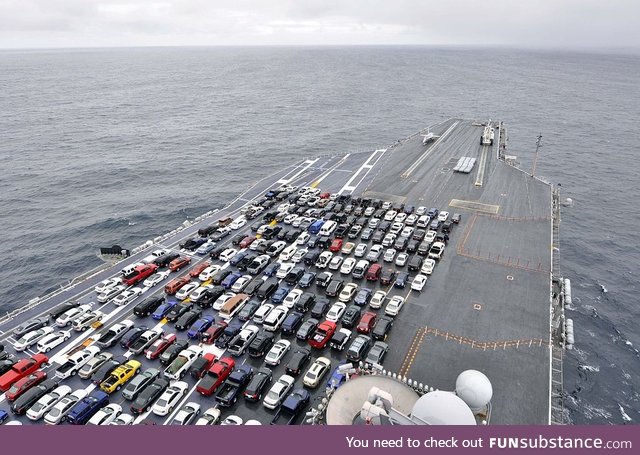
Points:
[(500, 262)]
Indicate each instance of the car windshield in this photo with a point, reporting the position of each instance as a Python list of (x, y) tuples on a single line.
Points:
[(55, 412), (273, 396), (312, 375), (161, 402)]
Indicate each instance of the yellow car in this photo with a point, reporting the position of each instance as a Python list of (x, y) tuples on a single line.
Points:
[(120, 376)]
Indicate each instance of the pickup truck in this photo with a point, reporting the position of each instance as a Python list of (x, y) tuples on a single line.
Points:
[(155, 255), (229, 392), (183, 362), (115, 332), (76, 361), (219, 371), (293, 406), (340, 339), (21, 369)]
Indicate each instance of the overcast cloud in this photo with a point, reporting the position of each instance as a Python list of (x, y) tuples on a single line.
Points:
[(531, 23)]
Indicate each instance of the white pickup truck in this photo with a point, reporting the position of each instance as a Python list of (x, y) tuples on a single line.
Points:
[(76, 361), (155, 255)]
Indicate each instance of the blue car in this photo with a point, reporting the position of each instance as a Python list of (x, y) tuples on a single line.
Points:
[(230, 279), (82, 411), (271, 269), (291, 323), (279, 295), (337, 378), (163, 310), (307, 279), (4, 415), (362, 297), (200, 326), (238, 257)]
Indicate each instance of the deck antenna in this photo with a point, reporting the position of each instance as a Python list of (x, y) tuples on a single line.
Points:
[(535, 158)]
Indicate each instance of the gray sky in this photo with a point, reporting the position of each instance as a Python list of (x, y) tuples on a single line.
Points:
[(529, 23)]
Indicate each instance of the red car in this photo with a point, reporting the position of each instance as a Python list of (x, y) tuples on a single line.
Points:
[(216, 375), (197, 270), (159, 346), (322, 335), (21, 369), (142, 272), (212, 333), (374, 272), (325, 195), (178, 263), (336, 245), (174, 285), (367, 321), (24, 384), (248, 240)]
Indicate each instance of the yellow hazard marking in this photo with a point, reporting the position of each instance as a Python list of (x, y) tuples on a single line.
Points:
[(164, 321), (273, 223), (315, 184)]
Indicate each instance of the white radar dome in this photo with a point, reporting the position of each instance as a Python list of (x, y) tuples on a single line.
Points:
[(443, 408), (474, 388)]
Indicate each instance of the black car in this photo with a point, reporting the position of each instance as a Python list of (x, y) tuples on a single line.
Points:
[(401, 243), (415, 263), (261, 344), (298, 361), (412, 246), (178, 310), (237, 239), (209, 296), (172, 351), (307, 279), (311, 257), (131, 336), (105, 370), (387, 276), (377, 237), (271, 231), (339, 340), (258, 384), (148, 395), (245, 261), (7, 363), (255, 226), (292, 235), (324, 242), (401, 280), (442, 237), (307, 328), (216, 252), (193, 243), (267, 288), (253, 286), (31, 396), (334, 287), (341, 231), (294, 276), (323, 279), (248, 310), (57, 311), (351, 316), (384, 226), (207, 231), (228, 333), (219, 276), (31, 324), (188, 318), (165, 259), (199, 367), (148, 306), (382, 327), (358, 348), (306, 301), (320, 308)]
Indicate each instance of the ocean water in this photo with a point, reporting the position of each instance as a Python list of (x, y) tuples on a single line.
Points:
[(117, 146)]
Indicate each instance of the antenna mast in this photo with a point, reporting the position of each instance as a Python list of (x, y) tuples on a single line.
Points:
[(535, 158)]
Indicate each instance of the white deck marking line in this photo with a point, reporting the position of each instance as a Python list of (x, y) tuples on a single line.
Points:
[(428, 152), (348, 186), (307, 165), (482, 165), (331, 169)]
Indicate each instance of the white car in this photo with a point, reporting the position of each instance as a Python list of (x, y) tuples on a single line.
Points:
[(278, 391), (183, 362), (299, 254), (418, 282), (284, 207), (347, 266), (443, 216), (389, 255), (290, 218), (428, 266), (396, 228), (374, 253), (197, 293), (287, 253), (389, 239), (348, 292), (275, 318), (170, 398), (123, 419), (377, 299), (110, 293), (210, 417), (260, 315), (127, 296), (411, 219), (407, 232), (277, 352), (87, 320), (238, 223), (347, 248), (292, 298), (31, 338), (69, 316), (336, 311), (228, 254), (400, 217), (187, 289), (369, 211), (421, 210), (44, 404), (436, 251), (394, 306), (186, 414), (430, 236), (303, 238), (107, 284), (276, 248), (52, 340), (335, 262), (232, 420), (324, 259), (256, 244), (390, 215), (316, 372), (386, 205), (207, 273), (401, 259), (241, 283), (285, 268), (62, 407), (361, 250), (261, 229), (156, 278), (106, 415), (220, 301)]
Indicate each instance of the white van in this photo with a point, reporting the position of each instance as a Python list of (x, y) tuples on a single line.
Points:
[(423, 222), (328, 228)]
